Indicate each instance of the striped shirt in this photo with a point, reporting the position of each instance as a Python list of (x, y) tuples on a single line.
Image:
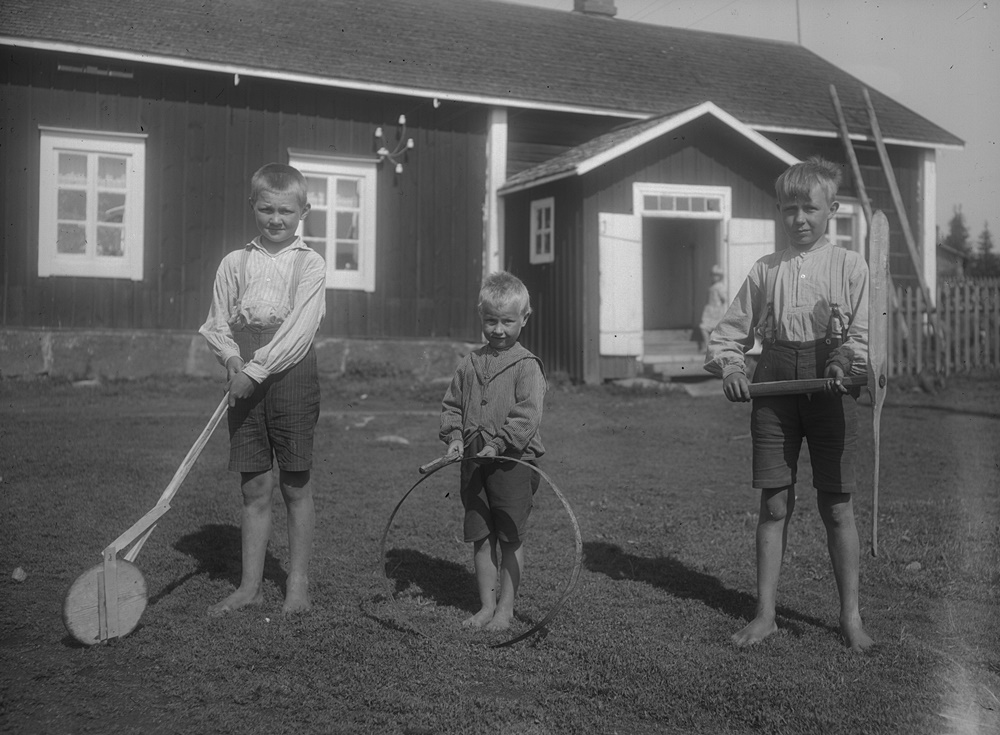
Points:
[(806, 284), (264, 302), (497, 394)]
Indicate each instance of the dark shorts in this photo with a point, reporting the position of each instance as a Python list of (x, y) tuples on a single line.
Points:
[(278, 421), (778, 424), (497, 497)]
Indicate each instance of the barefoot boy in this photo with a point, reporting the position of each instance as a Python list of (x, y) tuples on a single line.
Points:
[(267, 305), (492, 410), (809, 304)]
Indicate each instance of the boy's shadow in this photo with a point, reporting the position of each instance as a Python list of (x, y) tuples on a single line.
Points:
[(445, 582), (217, 549), (682, 581)]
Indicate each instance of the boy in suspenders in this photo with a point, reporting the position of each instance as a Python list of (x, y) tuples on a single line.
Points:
[(809, 305), (268, 301)]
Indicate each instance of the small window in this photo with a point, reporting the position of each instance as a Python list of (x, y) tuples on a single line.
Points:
[(91, 204), (341, 222), (847, 227), (542, 231)]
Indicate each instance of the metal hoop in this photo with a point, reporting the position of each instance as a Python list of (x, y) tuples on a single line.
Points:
[(432, 467)]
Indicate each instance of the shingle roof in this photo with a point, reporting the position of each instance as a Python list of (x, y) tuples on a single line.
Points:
[(523, 55)]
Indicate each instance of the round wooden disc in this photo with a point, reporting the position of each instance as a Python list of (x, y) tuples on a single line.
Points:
[(80, 608)]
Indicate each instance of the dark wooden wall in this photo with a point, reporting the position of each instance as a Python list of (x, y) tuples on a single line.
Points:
[(206, 136)]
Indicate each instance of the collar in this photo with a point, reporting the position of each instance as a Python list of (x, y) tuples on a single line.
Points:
[(497, 360), (817, 247), (296, 244)]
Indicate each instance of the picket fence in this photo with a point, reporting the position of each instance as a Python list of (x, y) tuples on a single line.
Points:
[(960, 335)]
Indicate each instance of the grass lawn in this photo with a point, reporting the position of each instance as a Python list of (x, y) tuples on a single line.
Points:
[(660, 486)]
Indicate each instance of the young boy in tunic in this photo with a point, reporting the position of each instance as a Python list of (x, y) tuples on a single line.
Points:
[(809, 305), (491, 411), (267, 305)]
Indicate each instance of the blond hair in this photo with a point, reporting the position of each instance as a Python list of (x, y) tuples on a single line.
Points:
[(799, 179), (279, 177), (501, 289)]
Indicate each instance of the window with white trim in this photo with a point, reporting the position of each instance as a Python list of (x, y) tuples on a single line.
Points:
[(847, 228), (542, 231), (341, 222), (91, 202)]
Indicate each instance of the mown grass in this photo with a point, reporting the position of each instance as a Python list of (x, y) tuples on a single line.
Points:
[(658, 483)]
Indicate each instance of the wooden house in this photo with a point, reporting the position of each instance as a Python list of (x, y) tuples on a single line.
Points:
[(608, 163)]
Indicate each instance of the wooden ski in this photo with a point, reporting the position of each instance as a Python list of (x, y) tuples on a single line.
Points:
[(879, 286)]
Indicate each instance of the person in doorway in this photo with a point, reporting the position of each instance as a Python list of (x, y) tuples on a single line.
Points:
[(268, 301), (809, 305), (715, 307)]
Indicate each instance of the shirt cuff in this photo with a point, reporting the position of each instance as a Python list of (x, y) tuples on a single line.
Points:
[(732, 369), (255, 372)]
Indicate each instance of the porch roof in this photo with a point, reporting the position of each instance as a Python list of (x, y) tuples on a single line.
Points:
[(604, 148)]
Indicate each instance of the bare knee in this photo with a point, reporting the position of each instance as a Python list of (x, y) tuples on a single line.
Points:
[(256, 487), (836, 509), (295, 486), (776, 504)]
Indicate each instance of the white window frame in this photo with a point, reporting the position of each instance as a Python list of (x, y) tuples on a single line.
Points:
[(540, 233), (93, 144), (852, 210), (364, 171)]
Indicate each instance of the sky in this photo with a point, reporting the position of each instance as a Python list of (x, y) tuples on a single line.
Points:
[(937, 57)]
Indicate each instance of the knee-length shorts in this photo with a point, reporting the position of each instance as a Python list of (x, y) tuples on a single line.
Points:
[(497, 497), (278, 421), (778, 424)]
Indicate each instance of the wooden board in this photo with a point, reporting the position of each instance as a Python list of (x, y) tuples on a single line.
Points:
[(81, 606)]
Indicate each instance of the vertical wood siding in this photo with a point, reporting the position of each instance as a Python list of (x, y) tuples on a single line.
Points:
[(206, 136)]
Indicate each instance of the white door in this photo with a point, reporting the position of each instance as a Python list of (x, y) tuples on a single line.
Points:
[(620, 262), (749, 240)]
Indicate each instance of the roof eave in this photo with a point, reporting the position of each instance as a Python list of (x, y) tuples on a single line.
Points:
[(814, 133)]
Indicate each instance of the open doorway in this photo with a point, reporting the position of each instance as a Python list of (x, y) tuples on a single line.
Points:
[(677, 259)]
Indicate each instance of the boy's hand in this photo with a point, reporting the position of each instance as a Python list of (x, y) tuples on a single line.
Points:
[(736, 387), (836, 373), (455, 449), (234, 365), (240, 387), (487, 452)]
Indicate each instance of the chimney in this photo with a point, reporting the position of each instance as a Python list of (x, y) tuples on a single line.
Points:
[(599, 8)]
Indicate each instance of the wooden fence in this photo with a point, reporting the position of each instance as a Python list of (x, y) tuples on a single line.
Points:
[(962, 334)]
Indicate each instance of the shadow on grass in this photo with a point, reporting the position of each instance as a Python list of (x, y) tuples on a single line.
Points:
[(445, 582), (217, 549), (682, 581)]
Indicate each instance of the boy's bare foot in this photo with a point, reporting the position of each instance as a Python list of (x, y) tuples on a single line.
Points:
[(855, 636), (296, 596), (501, 620), (478, 620), (758, 629), (235, 601)]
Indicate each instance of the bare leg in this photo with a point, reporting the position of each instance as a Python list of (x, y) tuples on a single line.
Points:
[(837, 512), (511, 566), (296, 489), (776, 506), (257, 488), (484, 557)]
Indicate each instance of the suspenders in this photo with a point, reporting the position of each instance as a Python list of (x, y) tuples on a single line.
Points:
[(293, 282), (768, 326)]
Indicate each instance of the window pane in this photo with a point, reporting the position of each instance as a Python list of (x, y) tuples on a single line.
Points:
[(547, 243), (698, 204), (72, 205), (109, 241), (546, 218), (72, 239), (347, 256), (111, 172), (316, 193), (315, 224), (347, 225), (844, 226), (683, 204), (650, 201), (667, 203), (348, 194), (110, 207), (713, 205), (319, 246), (72, 169)]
